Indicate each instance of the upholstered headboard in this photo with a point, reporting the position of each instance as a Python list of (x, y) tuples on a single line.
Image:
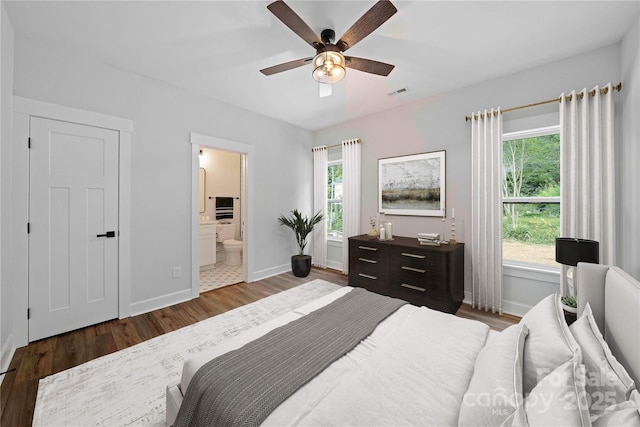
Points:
[(614, 297)]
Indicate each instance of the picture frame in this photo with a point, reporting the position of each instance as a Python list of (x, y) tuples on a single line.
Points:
[(413, 184)]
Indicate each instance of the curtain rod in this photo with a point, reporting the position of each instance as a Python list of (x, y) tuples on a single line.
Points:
[(580, 95), (357, 141)]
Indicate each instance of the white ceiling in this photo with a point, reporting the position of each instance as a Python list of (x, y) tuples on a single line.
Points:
[(215, 48)]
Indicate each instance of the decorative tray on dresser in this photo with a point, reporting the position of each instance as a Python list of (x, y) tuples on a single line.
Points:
[(432, 276)]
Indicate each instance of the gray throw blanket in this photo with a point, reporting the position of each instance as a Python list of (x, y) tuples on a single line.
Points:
[(242, 387)]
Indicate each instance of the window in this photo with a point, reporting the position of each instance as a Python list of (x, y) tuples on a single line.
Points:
[(531, 195), (334, 200)]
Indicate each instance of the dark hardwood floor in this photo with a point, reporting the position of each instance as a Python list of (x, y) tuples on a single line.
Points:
[(49, 356), (494, 320)]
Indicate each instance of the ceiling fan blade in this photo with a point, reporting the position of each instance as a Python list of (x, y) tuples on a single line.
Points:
[(372, 19), (369, 65), (291, 19), (285, 66)]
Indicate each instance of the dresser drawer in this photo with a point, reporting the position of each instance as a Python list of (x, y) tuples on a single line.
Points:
[(417, 269), (368, 250), (421, 294), (427, 280), (375, 267), (368, 265), (414, 257), (372, 282)]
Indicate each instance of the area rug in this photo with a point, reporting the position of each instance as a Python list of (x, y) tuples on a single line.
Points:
[(128, 387)]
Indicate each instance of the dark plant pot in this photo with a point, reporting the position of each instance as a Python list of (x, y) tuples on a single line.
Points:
[(301, 265)]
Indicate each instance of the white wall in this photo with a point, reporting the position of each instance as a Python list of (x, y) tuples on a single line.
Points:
[(629, 155), (437, 123), (163, 117), (7, 344)]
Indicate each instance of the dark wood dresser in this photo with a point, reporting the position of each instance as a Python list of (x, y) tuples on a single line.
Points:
[(432, 276)]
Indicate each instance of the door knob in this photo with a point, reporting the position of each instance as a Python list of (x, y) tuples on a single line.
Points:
[(107, 234)]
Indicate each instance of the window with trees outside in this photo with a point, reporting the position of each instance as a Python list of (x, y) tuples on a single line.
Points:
[(334, 200), (531, 195)]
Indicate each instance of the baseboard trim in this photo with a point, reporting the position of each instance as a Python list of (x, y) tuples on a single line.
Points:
[(515, 309), (270, 272), (163, 301), (508, 307), (8, 350), (334, 265)]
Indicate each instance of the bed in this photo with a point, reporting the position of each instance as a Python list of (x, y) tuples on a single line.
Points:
[(423, 367)]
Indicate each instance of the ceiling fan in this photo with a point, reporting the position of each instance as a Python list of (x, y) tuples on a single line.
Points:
[(329, 63)]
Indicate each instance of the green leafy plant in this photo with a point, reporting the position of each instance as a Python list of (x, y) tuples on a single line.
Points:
[(301, 226), (518, 233), (569, 301)]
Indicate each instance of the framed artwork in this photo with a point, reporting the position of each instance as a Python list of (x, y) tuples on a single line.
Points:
[(412, 185)]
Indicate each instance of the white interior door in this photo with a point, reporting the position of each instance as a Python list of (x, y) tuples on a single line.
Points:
[(73, 218)]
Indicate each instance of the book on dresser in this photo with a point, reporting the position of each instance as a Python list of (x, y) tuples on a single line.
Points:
[(427, 275)]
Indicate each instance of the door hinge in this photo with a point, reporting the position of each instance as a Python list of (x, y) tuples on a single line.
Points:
[(28, 227), (28, 313), (29, 142)]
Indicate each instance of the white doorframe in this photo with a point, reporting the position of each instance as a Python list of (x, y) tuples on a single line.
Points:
[(23, 110), (198, 140)]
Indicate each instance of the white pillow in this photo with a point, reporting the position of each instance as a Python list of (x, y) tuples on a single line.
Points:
[(549, 343), (559, 399), (608, 383), (619, 415), (495, 390)]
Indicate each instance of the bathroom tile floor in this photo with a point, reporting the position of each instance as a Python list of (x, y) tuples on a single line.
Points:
[(219, 276)]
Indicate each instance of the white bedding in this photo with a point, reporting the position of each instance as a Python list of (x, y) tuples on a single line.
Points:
[(428, 369), (422, 367), (425, 356)]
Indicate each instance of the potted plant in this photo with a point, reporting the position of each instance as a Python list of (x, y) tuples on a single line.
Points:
[(301, 226), (569, 304)]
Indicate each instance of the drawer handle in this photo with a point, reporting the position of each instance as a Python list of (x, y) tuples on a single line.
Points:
[(368, 248), (370, 261), (417, 270), (366, 276), (415, 288), (413, 255)]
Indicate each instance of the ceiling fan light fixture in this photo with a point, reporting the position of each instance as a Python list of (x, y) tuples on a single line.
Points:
[(329, 67)]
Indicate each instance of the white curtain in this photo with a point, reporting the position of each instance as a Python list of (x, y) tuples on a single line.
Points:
[(587, 193), (486, 210), (319, 235), (350, 196)]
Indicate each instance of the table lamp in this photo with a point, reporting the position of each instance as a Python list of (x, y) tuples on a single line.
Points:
[(571, 251)]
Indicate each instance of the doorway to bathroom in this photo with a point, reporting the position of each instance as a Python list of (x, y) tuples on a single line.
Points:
[(220, 210), (221, 213)]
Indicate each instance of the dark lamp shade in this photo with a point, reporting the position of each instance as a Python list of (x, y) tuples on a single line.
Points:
[(571, 251)]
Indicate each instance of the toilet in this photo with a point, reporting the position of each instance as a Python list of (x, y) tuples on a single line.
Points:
[(225, 234)]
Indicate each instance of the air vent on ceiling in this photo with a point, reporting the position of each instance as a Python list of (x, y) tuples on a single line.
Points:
[(399, 91)]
